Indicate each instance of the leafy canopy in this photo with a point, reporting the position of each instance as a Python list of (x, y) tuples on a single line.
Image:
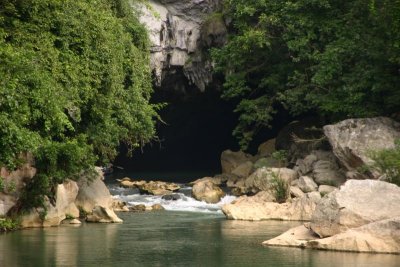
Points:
[(335, 57), (75, 82)]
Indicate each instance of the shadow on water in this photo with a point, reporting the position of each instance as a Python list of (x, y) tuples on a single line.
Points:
[(170, 239)]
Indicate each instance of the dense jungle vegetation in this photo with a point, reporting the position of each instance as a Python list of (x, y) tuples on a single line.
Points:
[(75, 82), (335, 58)]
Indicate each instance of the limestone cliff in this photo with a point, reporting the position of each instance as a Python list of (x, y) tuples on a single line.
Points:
[(180, 30)]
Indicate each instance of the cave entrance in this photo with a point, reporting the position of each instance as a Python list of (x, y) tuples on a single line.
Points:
[(198, 127)]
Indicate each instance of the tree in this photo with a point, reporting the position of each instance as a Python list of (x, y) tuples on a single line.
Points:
[(336, 58), (75, 82)]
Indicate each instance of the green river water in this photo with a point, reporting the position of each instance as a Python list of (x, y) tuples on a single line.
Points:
[(170, 238)]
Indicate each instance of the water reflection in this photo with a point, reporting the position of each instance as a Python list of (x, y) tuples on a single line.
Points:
[(170, 239)]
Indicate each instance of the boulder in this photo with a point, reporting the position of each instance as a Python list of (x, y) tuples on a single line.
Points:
[(230, 160), (326, 189), (103, 215), (358, 202), (261, 179), (266, 148), (296, 192), (54, 213), (127, 184), (157, 207), (294, 237), (352, 139), (138, 208), (66, 194), (327, 173), (307, 184), (119, 205), (171, 197), (377, 237), (266, 162), (258, 207), (207, 191), (71, 221), (93, 193), (243, 170), (305, 166), (158, 188)]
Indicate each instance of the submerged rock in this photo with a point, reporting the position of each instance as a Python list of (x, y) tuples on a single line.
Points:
[(171, 197)]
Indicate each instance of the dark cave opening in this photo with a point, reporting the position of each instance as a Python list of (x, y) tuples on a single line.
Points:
[(198, 127)]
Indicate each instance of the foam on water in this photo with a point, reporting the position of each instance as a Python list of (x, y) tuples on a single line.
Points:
[(184, 203)]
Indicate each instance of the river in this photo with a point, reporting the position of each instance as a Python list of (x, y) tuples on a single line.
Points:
[(188, 233)]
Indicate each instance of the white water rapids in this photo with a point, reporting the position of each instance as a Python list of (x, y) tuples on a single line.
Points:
[(184, 203)]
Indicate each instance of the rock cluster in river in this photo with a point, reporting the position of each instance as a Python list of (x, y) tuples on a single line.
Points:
[(344, 214), (71, 200)]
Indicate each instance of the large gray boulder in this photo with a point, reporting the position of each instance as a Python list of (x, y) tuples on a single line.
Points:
[(352, 139), (358, 202)]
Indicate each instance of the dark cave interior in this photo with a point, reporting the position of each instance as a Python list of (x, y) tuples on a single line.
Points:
[(198, 127)]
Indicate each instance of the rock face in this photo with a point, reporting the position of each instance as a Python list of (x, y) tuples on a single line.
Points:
[(358, 202), (207, 191), (261, 207), (64, 205), (178, 30), (352, 139)]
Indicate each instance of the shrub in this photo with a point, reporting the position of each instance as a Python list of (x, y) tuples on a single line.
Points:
[(8, 224), (387, 162)]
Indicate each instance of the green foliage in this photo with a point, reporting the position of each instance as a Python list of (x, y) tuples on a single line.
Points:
[(280, 188), (75, 83), (7, 187), (337, 58), (280, 156), (387, 162), (69, 217), (7, 224)]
